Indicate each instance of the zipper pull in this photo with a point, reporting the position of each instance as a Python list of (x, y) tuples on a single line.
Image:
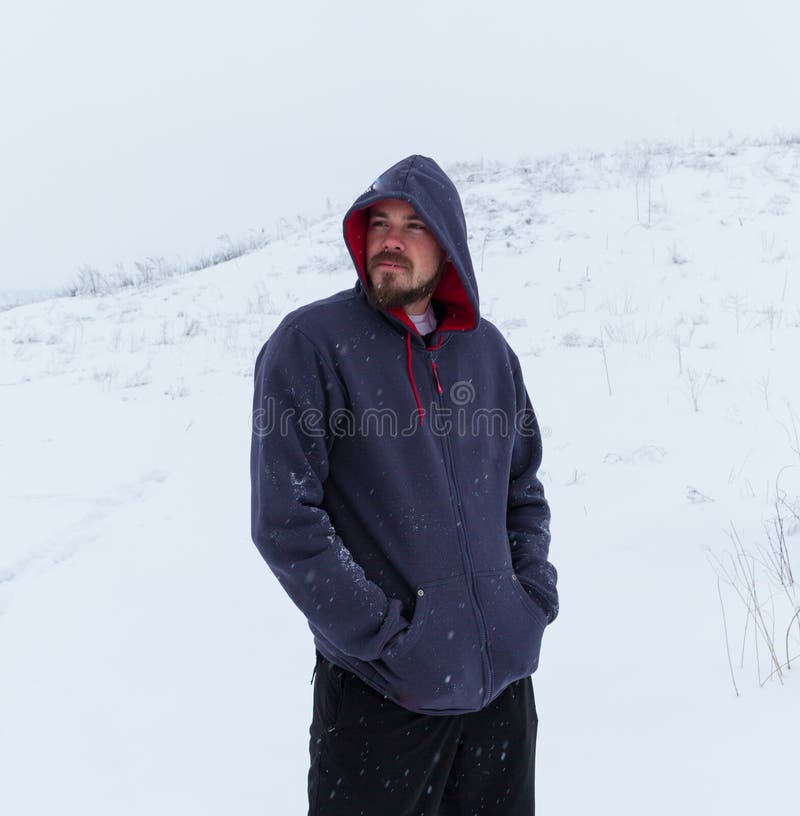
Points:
[(436, 377)]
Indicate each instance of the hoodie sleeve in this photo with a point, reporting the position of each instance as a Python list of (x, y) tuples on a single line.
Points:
[(296, 392), (528, 517)]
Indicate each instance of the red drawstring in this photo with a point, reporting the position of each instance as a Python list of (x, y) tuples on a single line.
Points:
[(436, 377), (413, 381)]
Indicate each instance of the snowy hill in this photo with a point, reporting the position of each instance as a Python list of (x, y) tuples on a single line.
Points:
[(151, 663)]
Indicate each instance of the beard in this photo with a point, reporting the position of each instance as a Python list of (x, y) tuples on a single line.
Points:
[(391, 292)]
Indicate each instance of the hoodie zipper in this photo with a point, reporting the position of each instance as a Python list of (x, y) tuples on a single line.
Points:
[(465, 548)]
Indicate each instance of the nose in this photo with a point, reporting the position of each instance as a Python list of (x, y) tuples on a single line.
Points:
[(393, 240)]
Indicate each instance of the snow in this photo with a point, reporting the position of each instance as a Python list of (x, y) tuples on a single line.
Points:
[(150, 661)]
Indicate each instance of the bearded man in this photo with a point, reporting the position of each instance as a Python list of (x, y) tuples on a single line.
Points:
[(416, 546)]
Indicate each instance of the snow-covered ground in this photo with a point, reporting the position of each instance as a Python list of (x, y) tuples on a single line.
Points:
[(150, 663)]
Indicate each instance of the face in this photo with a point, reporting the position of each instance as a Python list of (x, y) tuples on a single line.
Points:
[(404, 260)]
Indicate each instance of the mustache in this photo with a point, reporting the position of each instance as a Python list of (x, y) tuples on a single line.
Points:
[(388, 257)]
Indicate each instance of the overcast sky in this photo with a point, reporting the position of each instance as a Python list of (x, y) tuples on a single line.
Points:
[(150, 128)]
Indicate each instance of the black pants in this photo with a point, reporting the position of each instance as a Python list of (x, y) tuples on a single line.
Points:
[(371, 757)]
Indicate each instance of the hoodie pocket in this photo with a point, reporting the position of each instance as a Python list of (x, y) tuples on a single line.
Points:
[(515, 624), (436, 667)]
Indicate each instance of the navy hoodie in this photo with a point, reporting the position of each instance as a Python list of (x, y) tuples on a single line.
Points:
[(394, 486)]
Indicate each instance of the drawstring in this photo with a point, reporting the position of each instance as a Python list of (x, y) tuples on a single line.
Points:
[(413, 381), (410, 353), (436, 377)]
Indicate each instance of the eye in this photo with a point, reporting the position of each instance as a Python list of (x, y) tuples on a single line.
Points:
[(417, 225)]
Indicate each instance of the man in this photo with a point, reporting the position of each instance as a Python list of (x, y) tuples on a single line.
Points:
[(395, 497)]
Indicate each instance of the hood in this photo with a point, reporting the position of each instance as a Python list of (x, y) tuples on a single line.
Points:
[(427, 188)]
